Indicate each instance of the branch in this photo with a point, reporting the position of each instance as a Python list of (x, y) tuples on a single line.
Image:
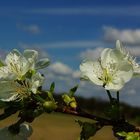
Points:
[(122, 123)]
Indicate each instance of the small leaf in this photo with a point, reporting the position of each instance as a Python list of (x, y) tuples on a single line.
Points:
[(50, 96), (73, 90), (88, 129), (122, 134), (52, 87)]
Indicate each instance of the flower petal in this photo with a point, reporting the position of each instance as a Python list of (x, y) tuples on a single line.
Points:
[(7, 91), (115, 85), (42, 63), (5, 74), (31, 55), (110, 56), (36, 81), (17, 64), (122, 75), (125, 71), (93, 71)]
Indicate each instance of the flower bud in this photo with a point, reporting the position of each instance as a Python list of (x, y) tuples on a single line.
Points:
[(49, 106)]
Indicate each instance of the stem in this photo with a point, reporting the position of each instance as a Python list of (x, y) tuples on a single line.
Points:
[(38, 98), (81, 113), (123, 124), (118, 98), (7, 114), (19, 122), (109, 95)]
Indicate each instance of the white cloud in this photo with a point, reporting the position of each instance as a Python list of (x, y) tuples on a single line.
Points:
[(76, 74), (63, 69), (129, 36), (64, 44), (91, 54), (63, 76), (60, 68), (134, 51), (98, 10), (33, 28)]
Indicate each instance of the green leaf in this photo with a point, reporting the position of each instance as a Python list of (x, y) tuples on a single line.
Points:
[(50, 96), (52, 87), (129, 135), (29, 74), (122, 134), (73, 90), (88, 129)]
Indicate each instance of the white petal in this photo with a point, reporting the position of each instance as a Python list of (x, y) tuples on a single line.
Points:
[(7, 91), (17, 64), (110, 56), (13, 57), (36, 81), (93, 71), (24, 66), (115, 85), (119, 46), (6, 74), (125, 71), (42, 63), (31, 56)]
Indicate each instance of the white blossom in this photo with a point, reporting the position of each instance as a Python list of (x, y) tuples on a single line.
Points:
[(108, 71), (17, 64)]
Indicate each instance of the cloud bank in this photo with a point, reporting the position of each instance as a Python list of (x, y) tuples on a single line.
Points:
[(129, 36)]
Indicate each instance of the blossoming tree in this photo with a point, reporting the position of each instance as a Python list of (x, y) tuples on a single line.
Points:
[(21, 92)]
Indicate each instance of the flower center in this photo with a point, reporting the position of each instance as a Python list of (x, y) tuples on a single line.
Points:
[(22, 89), (106, 77)]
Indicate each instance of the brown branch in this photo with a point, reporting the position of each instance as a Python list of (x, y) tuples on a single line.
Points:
[(121, 124)]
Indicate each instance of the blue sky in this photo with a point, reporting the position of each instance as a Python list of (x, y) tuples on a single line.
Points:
[(68, 31)]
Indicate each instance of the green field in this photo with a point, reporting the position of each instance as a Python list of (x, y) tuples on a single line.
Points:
[(59, 127)]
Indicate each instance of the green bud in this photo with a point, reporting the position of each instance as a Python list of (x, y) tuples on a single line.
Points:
[(49, 106), (69, 101), (73, 104), (66, 99)]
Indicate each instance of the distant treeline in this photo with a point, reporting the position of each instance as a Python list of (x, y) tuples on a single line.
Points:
[(99, 107)]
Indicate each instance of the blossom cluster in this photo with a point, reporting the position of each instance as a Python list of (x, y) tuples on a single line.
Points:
[(19, 80), (19, 76), (112, 69)]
